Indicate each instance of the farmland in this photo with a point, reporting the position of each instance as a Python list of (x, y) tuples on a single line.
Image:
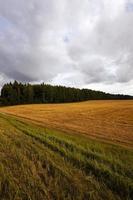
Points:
[(75, 151), (107, 120)]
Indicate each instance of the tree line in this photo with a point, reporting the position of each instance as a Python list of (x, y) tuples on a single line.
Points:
[(19, 93)]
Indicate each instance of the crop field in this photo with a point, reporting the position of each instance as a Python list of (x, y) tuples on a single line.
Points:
[(79, 151), (106, 120)]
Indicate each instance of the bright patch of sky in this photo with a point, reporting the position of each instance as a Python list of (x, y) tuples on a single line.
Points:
[(129, 5)]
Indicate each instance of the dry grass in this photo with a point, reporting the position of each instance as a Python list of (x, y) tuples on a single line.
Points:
[(107, 120), (42, 164)]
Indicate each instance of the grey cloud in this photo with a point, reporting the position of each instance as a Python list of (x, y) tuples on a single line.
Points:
[(31, 46), (68, 42), (110, 39)]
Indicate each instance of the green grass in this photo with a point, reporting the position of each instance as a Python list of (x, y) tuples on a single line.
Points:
[(38, 163)]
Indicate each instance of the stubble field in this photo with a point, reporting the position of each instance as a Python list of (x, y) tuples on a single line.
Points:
[(107, 120), (79, 151)]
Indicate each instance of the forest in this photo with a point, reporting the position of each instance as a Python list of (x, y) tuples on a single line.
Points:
[(19, 93)]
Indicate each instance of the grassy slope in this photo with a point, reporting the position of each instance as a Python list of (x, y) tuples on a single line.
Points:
[(38, 163)]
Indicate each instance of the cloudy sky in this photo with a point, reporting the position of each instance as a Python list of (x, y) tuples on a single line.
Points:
[(77, 43)]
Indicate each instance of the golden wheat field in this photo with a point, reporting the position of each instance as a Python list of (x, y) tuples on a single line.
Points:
[(106, 120), (75, 151)]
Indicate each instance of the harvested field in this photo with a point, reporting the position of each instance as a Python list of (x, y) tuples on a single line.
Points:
[(105, 120), (37, 163)]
